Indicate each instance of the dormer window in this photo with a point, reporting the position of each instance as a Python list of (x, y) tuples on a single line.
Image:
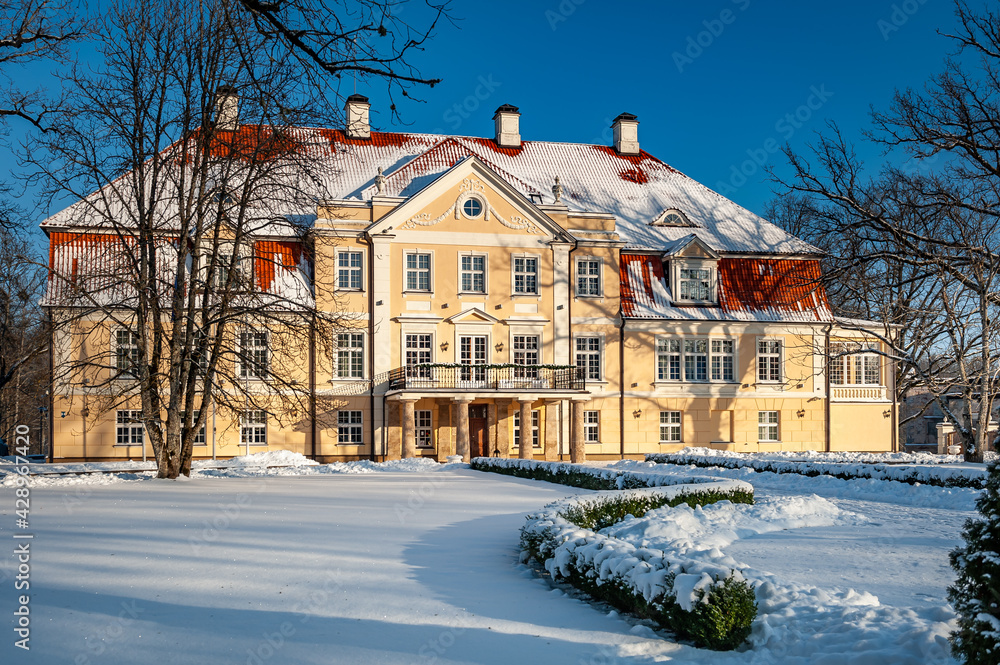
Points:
[(694, 281), (671, 217), (695, 284)]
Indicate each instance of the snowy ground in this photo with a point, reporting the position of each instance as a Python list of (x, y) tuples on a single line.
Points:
[(344, 564)]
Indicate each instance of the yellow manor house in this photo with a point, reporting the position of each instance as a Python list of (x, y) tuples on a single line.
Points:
[(503, 297)]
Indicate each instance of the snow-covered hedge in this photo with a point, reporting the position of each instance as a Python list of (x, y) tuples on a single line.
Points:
[(711, 605), (576, 475), (942, 475)]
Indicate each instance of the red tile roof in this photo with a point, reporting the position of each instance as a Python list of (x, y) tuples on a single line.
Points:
[(749, 289)]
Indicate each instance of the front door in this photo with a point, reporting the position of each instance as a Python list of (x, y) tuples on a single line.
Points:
[(479, 441)]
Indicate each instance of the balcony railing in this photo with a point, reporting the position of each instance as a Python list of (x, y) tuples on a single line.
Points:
[(487, 377), (858, 393)]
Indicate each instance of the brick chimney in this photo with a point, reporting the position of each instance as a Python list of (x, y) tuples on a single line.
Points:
[(356, 113), (626, 128), (508, 130), (227, 108)]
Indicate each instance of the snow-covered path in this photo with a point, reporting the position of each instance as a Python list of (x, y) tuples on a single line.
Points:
[(375, 568), (392, 568)]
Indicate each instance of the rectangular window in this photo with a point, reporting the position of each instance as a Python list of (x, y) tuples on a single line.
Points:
[(349, 270), (526, 275), (668, 360), (472, 269), (849, 367), (253, 428), (418, 271), (768, 361), (695, 360), (670, 426), (200, 352), (349, 428), (722, 359), (471, 354), (526, 356), (423, 423), (418, 352), (592, 426), (534, 429), (767, 425), (199, 438), (588, 277), (588, 357), (696, 284), (350, 356), (254, 355), (126, 353), (128, 428)]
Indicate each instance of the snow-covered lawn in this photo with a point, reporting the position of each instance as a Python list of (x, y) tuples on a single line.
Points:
[(345, 564)]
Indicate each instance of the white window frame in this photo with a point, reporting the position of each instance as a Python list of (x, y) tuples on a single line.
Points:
[(423, 420), (253, 427), (350, 270), (129, 423), (767, 367), (711, 266), (535, 421), (122, 372), (244, 279), (418, 271), (768, 426), (673, 355), (522, 351), (201, 438), (244, 370), (721, 356), (462, 272), (592, 426), (345, 371), (671, 427), (593, 283), (424, 373), (514, 273), (589, 352), (851, 364), (350, 427)]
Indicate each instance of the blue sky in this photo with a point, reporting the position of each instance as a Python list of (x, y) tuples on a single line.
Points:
[(713, 82), (718, 85)]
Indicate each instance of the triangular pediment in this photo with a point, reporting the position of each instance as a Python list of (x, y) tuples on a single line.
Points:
[(470, 197), (690, 247), (472, 315)]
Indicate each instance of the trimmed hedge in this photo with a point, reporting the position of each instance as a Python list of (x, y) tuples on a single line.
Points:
[(902, 474), (717, 615), (574, 475), (600, 514)]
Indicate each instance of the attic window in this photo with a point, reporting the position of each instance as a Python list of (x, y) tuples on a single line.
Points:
[(694, 281), (671, 217)]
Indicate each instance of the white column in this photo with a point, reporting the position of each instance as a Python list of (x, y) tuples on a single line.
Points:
[(381, 342)]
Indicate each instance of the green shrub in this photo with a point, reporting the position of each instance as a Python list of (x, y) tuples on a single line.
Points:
[(721, 619), (597, 515)]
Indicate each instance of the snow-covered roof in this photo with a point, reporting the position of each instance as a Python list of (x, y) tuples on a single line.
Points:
[(636, 189)]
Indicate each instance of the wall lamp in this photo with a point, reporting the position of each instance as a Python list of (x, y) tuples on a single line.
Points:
[(801, 413), (637, 413), (499, 347), (444, 346)]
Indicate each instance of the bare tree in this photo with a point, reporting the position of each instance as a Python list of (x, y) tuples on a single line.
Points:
[(32, 30), (23, 335), (183, 256), (936, 229)]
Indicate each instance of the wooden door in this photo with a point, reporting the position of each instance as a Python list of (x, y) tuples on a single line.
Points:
[(479, 440)]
